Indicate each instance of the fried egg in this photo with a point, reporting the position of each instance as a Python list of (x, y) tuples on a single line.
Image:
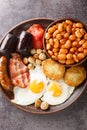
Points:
[(35, 89), (38, 75), (57, 92), (51, 91)]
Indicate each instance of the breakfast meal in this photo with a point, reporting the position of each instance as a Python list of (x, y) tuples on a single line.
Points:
[(27, 71), (66, 42)]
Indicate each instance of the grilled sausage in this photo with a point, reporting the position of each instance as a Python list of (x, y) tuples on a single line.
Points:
[(4, 78)]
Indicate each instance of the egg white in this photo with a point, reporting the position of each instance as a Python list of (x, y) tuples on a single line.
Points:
[(38, 75), (66, 93), (24, 96)]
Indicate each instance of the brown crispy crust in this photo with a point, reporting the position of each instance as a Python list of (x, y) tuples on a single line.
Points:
[(52, 69), (75, 75)]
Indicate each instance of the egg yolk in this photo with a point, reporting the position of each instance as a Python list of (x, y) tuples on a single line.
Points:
[(56, 89), (36, 87)]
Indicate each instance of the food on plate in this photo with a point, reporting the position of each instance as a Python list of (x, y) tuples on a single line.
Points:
[(52, 69), (34, 77), (32, 51), (24, 43), (37, 31), (4, 78), (44, 105), (66, 42), (37, 103), (18, 71), (36, 58), (9, 43), (34, 90), (30, 66), (37, 75), (41, 104), (75, 75), (57, 92), (42, 56), (25, 96), (50, 92)]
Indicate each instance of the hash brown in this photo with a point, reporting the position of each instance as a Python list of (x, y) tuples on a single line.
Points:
[(52, 69), (75, 75)]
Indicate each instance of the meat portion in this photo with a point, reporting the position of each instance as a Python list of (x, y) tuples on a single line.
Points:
[(19, 73), (4, 78)]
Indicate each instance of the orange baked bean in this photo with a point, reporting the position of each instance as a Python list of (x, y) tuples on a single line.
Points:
[(73, 30), (68, 44), (51, 30), (85, 51), (70, 61), (62, 61), (82, 31), (50, 52), (85, 36), (75, 44), (74, 25), (51, 41), (69, 56), (55, 33), (80, 49), (84, 45), (81, 42), (79, 25), (55, 49), (75, 58), (73, 49), (62, 41), (48, 46), (69, 29), (56, 43), (66, 35), (62, 56), (59, 36), (63, 51), (54, 57), (81, 56), (78, 34), (72, 37), (69, 22), (47, 36), (60, 27)]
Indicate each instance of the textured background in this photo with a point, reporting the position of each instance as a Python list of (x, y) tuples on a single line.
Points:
[(15, 11)]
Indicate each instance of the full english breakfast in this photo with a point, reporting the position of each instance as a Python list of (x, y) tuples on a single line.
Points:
[(35, 78)]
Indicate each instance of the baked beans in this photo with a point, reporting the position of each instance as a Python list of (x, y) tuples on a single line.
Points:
[(66, 42)]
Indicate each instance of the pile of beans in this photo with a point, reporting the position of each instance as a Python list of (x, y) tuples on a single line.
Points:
[(66, 42)]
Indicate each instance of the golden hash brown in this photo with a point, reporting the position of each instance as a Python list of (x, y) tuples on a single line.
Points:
[(52, 69), (75, 75)]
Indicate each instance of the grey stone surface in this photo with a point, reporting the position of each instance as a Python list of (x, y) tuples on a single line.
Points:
[(15, 11)]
